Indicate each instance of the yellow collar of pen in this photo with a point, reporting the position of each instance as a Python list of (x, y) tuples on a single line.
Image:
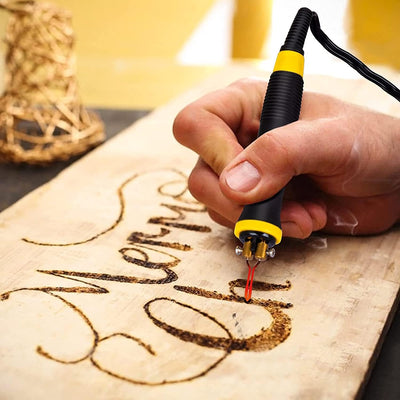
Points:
[(290, 61)]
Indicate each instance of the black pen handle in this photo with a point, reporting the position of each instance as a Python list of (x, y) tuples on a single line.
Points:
[(260, 222)]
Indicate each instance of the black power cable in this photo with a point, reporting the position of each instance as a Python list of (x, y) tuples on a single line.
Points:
[(351, 60)]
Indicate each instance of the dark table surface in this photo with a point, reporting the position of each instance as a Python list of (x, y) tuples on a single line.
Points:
[(17, 181)]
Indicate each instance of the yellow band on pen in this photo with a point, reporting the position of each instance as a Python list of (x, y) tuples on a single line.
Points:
[(254, 225), (291, 61)]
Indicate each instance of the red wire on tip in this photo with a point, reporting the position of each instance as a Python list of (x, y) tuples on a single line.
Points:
[(250, 277)]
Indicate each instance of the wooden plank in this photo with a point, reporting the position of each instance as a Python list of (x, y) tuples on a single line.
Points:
[(115, 284)]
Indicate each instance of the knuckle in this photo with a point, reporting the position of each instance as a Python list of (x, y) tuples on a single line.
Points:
[(216, 161), (219, 219), (306, 226), (183, 124), (214, 215), (196, 185), (305, 231)]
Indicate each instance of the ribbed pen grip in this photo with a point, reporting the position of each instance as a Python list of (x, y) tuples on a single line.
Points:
[(282, 101), (298, 31)]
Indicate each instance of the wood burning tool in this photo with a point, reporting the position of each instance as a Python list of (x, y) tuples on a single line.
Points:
[(259, 226)]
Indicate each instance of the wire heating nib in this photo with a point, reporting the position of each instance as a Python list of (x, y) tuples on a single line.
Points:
[(250, 278)]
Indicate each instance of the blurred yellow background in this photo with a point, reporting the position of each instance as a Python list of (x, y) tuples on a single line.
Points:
[(374, 32), (127, 49)]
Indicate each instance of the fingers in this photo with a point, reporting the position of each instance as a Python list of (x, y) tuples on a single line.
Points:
[(204, 186), (299, 219), (220, 124), (321, 148), (219, 219)]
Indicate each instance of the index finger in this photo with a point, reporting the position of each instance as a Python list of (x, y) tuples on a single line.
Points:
[(218, 125)]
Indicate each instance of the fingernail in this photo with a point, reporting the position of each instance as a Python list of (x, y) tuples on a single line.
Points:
[(243, 177)]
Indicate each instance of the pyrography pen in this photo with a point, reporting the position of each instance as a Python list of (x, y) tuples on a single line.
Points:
[(259, 226)]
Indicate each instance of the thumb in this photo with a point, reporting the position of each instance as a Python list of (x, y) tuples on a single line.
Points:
[(321, 148)]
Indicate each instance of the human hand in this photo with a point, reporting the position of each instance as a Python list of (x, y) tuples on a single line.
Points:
[(340, 162)]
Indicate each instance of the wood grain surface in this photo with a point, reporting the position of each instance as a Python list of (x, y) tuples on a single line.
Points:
[(115, 284)]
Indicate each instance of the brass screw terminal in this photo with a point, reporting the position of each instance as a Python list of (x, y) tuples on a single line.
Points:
[(261, 251), (258, 250), (247, 253)]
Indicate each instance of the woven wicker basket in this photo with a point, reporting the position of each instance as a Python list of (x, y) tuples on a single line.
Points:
[(41, 116)]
